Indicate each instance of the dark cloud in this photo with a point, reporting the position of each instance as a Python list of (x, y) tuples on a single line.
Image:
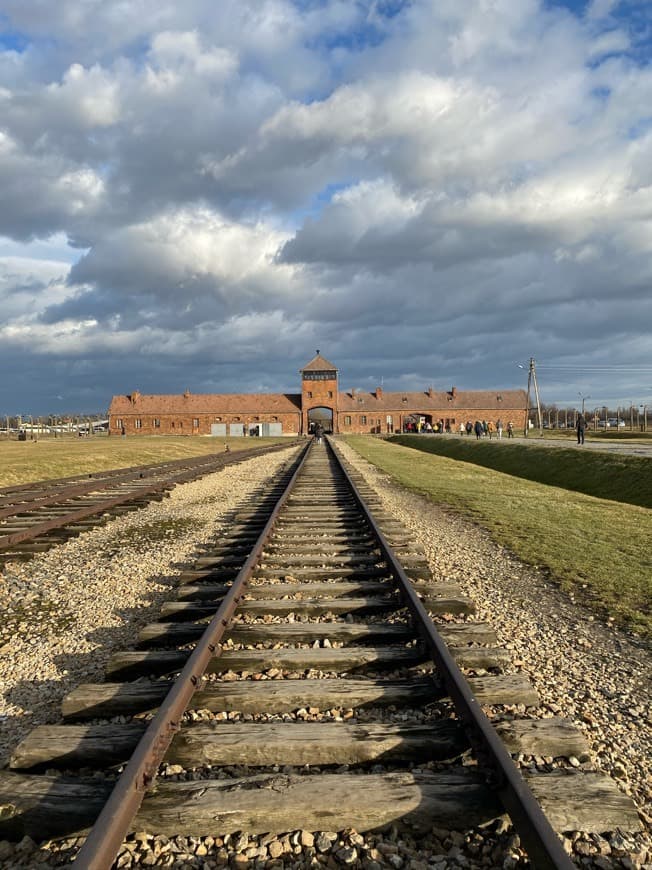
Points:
[(427, 193)]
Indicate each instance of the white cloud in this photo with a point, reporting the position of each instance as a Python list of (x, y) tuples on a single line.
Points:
[(253, 175), (89, 97)]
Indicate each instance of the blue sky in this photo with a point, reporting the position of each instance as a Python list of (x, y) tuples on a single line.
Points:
[(431, 192)]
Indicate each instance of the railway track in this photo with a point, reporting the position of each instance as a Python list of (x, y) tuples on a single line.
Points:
[(310, 676), (36, 516)]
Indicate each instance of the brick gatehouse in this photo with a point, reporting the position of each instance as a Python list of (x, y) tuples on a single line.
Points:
[(354, 412)]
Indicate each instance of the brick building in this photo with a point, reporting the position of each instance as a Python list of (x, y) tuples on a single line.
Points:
[(320, 399)]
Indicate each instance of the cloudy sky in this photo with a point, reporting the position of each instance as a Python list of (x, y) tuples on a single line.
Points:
[(200, 194)]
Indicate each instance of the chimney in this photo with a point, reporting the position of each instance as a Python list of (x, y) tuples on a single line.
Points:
[(135, 396), (379, 392), (186, 394), (430, 392), (454, 392)]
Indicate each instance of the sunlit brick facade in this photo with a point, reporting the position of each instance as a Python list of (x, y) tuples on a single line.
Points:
[(353, 412)]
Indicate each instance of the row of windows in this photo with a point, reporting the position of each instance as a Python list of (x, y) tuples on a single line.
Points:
[(309, 394), (363, 420), (156, 422), (319, 376)]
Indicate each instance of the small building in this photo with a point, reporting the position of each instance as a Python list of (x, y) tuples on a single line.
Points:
[(352, 412)]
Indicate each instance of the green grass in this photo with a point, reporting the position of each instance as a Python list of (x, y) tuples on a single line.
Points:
[(26, 461), (605, 475), (598, 549)]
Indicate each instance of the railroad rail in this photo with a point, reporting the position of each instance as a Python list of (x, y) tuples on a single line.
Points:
[(37, 516), (316, 602)]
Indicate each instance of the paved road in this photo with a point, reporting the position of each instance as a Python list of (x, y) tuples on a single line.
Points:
[(625, 448)]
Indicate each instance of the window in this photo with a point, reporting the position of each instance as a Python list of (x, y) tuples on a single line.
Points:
[(347, 421), (172, 424), (319, 376), (157, 423), (195, 422), (139, 423), (330, 394), (363, 420), (181, 424), (309, 394), (119, 424)]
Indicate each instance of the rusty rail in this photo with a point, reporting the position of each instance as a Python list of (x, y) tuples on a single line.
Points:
[(195, 467), (540, 840), (108, 832)]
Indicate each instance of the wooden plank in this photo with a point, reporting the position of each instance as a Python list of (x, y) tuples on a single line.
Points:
[(99, 700), (211, 592), (175, 633), (277, 803), (254, 744), (46, 806), (322, 573), (313, 743), (41, 807), (70, 746), (544, 737), (346, 659), (584, 801), (317, 606), (94, 700), (504, 689)]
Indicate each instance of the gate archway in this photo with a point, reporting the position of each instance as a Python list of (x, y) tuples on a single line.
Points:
[(322, 415)]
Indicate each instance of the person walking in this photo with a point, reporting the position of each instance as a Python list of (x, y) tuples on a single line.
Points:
[(581, 426), (319, 432), (478, 430), (491, 428), (462, 429), (499, 428)]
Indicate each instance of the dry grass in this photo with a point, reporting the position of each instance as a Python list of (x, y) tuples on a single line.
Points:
[(596, 548), (26, 461)]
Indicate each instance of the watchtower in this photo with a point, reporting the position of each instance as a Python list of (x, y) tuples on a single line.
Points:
[(319, 394)]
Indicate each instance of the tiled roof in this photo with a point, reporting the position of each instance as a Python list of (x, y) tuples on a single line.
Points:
[(319, 364), (463, 400), (206, 403), (282, 403)]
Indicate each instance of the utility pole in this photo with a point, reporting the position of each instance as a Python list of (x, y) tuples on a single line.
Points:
[(532, 381), (583, 398)]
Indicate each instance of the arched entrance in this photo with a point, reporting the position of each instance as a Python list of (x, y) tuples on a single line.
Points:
[(322, 415)]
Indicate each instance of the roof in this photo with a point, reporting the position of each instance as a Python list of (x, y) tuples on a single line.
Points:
[(319, 364), (461, 400), (206, 403)]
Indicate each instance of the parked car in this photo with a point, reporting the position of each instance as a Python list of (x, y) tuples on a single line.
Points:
[(615, 423)]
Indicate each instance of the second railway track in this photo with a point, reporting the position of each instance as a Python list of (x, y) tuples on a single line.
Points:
[(323, 699), (37, 516)]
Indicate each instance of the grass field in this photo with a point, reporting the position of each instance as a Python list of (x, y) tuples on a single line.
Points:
[(605, 475), (26, 461), (598, 549)]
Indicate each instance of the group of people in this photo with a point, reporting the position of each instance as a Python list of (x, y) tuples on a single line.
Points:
[(439, 426), (484, 428)]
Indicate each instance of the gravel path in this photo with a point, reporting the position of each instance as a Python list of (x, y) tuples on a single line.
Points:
[(66, 611), (103, 586), (581, 668)]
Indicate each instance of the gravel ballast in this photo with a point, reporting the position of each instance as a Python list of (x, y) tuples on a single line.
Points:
[(100, 588)]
